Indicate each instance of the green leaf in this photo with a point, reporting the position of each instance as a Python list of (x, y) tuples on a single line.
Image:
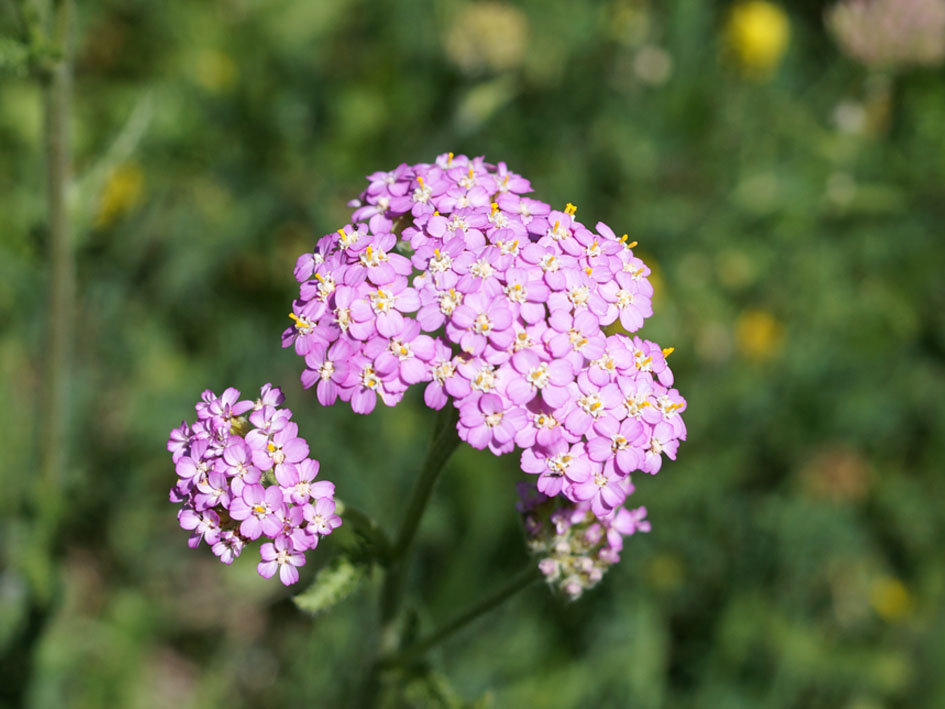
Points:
[(333, 584), (14, 57), (360, 536)]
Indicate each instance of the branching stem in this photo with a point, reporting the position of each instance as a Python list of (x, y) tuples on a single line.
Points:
[(523, 580)]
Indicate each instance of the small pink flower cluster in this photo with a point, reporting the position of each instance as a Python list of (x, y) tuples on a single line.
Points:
[(574, 546), (244, 473), (515, 296)]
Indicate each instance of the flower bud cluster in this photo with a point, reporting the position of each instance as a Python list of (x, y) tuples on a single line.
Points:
[(243, 473), (575, 547), (514, 296)]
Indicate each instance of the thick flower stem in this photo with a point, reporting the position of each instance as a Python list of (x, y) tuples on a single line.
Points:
[(523, 580), (443, 442)]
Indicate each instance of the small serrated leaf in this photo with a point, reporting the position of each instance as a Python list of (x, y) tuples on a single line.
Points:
[(362, 540), (333, 583)]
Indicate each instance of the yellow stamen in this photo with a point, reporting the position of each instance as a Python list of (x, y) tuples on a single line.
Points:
[(471, 172), (668, 351), (639, 271), (436, 212), (298, 322), (368, 252), (420, 181), (588, 270), (515, 244), (557, 224), (570, 209), (495, 208), (319, 277), (632, 244), (271, 447), (643, 404), (342, 232), (645, 362), (623, 238), (449, 160), (436, 252)]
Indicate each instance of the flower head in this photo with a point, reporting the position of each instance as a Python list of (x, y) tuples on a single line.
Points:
[(242, 478), (576, 544), (758, 33), (451, 277)]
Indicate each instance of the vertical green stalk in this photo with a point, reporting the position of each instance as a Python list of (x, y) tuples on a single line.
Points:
[(57, 364), (443, 442), (49, 35)]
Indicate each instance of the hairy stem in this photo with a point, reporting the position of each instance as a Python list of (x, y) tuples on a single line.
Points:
[(442, 444), (523, 580)]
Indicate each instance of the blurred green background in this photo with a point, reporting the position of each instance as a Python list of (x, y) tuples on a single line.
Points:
[(790, 201)]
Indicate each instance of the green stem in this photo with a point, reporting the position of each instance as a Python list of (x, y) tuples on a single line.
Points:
[(442, 444), (55, 423), (18, 655), (20, 19), (523, 580)]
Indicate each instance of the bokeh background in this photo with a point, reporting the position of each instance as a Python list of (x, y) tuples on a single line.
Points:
[(786, 185)]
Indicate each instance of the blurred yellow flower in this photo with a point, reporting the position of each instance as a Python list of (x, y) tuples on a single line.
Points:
[(215, 71), (757, 34), (890, 599), (487, 36), (628, 22), (121, 194), (758, 334)]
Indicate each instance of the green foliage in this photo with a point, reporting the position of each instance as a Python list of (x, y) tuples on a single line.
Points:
[(14, 57), (333, 583)]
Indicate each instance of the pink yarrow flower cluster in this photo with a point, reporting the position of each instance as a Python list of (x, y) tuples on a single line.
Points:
[(575, 547), (450, 276), (244, 473)]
